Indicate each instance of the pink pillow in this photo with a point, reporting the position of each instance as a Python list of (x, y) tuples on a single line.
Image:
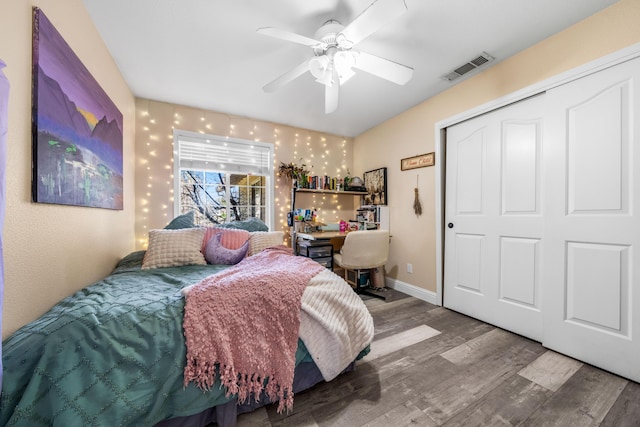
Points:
[(231, 238)]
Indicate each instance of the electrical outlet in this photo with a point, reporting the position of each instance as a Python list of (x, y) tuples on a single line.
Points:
[(409, 268)]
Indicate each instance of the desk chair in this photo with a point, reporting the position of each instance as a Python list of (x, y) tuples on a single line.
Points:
[(361, 252)]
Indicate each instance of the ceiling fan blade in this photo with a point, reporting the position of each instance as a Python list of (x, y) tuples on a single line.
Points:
[(384, 68), (288, 36), (331, 93), (373, 18), (287, 77)]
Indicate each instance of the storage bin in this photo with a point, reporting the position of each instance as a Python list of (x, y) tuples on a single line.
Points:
[(325, 261)]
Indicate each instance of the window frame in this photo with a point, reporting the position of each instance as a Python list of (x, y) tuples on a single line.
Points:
[(269, 177)]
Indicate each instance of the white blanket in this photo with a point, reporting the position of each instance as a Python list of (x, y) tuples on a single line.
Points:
[(335, 325)]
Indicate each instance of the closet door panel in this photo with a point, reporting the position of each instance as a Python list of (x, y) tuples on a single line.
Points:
[(494, 243), (591, 302)]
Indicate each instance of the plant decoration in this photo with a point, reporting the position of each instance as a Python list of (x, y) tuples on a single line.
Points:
[(293, 171)]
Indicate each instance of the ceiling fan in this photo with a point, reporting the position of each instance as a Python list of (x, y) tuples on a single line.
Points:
[(334, 56)]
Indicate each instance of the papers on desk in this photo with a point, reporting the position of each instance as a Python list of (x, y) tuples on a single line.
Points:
[(330, 227)]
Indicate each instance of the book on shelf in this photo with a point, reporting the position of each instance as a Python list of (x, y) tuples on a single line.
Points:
[(325, 182)]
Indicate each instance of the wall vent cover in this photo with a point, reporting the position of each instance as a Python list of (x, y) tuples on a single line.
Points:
[(479, 61)]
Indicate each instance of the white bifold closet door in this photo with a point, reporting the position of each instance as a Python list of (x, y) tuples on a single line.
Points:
[(544, 201)]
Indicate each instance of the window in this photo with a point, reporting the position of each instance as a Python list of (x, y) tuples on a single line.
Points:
[(223, 179)]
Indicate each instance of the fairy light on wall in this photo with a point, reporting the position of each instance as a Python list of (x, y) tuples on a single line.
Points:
[(154, 151)]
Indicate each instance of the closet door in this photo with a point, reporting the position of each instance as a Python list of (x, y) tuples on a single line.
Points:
[(591, 285), (494, 218)]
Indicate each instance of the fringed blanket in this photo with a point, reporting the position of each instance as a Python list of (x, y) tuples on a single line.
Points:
[(242, 324)]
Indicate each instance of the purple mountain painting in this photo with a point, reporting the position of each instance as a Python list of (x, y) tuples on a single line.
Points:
[(77, 130)]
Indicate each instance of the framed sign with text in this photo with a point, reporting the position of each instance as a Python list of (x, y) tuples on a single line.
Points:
[(420, 161)]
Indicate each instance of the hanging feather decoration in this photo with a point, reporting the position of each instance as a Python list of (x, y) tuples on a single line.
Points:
[(417, 207)]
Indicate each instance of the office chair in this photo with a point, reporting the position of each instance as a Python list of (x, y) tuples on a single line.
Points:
[(361, 252)]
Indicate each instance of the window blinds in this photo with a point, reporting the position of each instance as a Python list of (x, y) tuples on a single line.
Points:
[(223, 155)]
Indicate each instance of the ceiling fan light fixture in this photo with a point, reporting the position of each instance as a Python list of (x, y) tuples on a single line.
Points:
[(321, 67), (344, 61), (318, 66)]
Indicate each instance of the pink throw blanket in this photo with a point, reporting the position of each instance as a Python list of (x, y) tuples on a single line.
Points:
[(243, 325)]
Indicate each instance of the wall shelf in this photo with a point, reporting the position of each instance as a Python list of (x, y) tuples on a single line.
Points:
[(320, 191)]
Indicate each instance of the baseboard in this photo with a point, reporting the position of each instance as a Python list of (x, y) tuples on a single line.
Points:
[(414, 291)]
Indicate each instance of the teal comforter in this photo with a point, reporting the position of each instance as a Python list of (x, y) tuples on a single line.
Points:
[(112, 354)]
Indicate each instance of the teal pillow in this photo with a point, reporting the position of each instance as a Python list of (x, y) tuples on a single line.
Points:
[(182, 221), (249, 224), (131, 261)]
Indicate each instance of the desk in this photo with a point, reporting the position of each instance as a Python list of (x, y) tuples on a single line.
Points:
[(322, 235), (336, 238)]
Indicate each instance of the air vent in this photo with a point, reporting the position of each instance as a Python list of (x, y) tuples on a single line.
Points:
[(482, 59)]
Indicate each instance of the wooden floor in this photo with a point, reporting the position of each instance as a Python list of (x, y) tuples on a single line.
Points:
[(430, 366)]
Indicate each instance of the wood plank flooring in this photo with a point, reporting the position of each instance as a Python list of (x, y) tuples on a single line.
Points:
[(430, 366)]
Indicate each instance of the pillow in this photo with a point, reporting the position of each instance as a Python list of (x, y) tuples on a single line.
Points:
[(216, 253), (173, 248), (249, 224), (132, 260), (231, 238), (261, 240), (182, 221)]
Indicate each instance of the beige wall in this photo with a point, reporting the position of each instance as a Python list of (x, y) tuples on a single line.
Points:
[(414, 237), (325, 154), (51, 250)]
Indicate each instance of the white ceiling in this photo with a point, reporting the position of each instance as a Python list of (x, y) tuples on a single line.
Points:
[(207, 54)]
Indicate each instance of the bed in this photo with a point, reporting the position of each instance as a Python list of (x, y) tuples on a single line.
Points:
[(114, 353)]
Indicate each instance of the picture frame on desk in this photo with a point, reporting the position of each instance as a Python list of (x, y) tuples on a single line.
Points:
[(375, 181)]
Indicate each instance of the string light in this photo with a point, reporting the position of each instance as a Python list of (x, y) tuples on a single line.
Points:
[(290, 145)]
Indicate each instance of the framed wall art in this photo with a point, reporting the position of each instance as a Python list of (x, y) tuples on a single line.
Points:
[(375, 181), (77, 129)]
